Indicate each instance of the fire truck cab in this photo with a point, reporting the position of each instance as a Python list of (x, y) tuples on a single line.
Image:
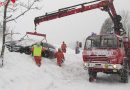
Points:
[(105, 53)]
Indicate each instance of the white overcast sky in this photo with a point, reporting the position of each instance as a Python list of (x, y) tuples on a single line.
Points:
[(71, 28)]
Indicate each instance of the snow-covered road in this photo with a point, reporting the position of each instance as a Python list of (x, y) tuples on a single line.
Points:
[(21, 73)]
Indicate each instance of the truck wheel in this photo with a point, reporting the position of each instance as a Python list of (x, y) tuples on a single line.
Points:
[(124, 76), (91, 79), (92, 76), (124, 72)]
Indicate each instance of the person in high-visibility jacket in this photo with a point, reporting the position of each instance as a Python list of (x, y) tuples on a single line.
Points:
[(37, 53)]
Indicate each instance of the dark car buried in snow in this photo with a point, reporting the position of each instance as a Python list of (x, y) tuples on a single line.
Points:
[(24, 47)]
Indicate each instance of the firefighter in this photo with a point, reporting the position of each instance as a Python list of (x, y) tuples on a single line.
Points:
[(77, 48), (63, 47), (37, 53), (60, 57), (80, 44)]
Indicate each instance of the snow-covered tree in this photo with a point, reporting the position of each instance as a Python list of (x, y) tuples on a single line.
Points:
[(107, 26), (126, 21), (10, 7)]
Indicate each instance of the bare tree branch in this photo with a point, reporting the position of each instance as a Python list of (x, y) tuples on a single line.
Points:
[(28, 8), (12, 9), (8, 17)]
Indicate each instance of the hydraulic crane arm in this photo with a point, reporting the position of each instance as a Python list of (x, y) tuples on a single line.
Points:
[(105, 5)]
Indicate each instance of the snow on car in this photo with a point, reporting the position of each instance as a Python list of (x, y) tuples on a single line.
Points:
[(24, 46)]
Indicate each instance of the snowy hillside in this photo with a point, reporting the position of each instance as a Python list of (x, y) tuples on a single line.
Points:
[(21, 73)]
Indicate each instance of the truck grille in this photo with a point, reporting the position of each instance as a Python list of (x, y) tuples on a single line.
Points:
[(98, 59)]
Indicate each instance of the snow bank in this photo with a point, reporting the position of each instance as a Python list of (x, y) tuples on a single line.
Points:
[(21, 73)]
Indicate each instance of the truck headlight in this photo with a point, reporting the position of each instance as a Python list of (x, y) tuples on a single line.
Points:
[(115, 66), (85, 64)]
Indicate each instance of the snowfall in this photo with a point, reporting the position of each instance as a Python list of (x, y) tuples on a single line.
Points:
[(20, 71)]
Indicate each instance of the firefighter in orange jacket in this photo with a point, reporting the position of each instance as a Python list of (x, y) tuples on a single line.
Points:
[(60, 57), (63, 47), (37, 53)]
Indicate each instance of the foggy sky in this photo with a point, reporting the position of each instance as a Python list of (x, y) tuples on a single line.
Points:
[(70, 28)]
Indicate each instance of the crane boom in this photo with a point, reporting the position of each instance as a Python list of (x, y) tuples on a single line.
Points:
[(105, 5)]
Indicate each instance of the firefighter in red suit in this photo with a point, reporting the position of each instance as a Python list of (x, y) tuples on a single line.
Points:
[(60, 57), (37, 53), (63, 47)]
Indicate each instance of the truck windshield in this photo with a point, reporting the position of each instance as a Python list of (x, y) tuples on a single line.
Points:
[(104, 41)]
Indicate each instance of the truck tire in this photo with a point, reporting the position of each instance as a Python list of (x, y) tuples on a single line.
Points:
[(124, 72), (92, 75)]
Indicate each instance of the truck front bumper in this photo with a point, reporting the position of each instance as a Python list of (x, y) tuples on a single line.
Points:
[(103, 67)]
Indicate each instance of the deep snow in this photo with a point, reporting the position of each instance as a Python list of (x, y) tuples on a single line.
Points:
[(21, 73)]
